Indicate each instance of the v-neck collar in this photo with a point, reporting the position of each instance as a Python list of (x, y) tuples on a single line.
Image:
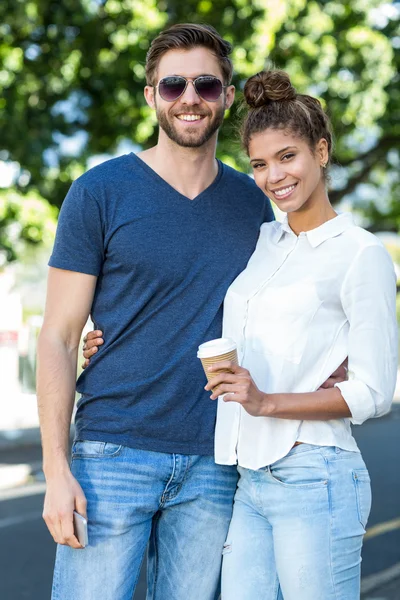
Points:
[(169, 188)]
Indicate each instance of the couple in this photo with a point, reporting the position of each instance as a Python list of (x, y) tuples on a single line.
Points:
[(149, 246)]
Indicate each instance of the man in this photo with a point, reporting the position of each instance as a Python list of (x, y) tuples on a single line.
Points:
[(147, 245)]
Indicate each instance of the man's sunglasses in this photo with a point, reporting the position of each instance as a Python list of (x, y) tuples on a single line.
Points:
[(207, 87)]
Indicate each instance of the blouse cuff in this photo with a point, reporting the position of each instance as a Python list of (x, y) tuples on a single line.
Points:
[(359, 400)]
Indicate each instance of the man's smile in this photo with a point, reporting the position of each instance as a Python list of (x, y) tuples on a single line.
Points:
[(190, 117)]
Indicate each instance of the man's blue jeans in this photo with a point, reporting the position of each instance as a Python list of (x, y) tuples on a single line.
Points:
[(180, 504), (297, 528)]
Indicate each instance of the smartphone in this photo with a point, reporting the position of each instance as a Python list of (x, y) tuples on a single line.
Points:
[(80, 529)]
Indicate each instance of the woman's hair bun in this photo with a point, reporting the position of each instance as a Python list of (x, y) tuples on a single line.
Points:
[(268, 86)]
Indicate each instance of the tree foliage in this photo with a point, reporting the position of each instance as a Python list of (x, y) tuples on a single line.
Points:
[(24, 222), (72, 76)]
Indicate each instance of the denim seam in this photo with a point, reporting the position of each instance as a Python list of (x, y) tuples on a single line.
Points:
[(304, 486), (302, 448), (180, 485), (256, 496), (155, 544), (329, 486), (342, 456), (163, 497), (298, 450), (135, 581), (102, 454), (227, 548), (357, 492), (80, 455), (278, 587), (175, 491), (56, 587)]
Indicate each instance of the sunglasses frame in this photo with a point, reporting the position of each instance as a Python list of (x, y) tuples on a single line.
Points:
[(193, 81)]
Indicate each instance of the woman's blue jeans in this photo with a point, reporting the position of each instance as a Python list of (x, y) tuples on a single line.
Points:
[(180, 504), (297, 528)]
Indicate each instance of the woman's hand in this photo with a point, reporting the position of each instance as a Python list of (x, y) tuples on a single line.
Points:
[(238, 386), (90, 343)]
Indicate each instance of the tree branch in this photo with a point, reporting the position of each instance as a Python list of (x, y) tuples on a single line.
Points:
[(371, 158), (385, 143)]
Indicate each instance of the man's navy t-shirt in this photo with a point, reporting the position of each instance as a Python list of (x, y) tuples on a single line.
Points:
[(164, 263)]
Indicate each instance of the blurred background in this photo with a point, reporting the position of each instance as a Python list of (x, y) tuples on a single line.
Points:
[(71, 81)]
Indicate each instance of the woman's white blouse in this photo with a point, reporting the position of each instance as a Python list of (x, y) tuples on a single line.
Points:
[(302, 305)]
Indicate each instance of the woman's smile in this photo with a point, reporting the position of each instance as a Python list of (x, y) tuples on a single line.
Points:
[(282, 193)]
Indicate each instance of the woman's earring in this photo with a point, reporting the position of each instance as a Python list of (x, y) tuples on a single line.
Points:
[(323, 165)]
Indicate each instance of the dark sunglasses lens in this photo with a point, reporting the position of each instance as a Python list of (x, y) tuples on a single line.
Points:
[(209, 88), (171, 88)]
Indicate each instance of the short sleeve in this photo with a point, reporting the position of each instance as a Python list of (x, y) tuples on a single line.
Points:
[(369, 302), (79, 243)]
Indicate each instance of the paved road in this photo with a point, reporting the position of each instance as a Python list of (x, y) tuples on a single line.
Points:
[(379, 442), (390, 591), (27, 551)]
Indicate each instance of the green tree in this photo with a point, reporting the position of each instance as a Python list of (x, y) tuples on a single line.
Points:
[(75, 69), (24, 222)]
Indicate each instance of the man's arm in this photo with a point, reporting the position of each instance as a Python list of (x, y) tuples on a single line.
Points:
[(68, 304)]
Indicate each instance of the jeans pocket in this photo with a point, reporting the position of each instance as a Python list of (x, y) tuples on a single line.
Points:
[(303, 470), (362, 485), (296, 483), (91, 449)]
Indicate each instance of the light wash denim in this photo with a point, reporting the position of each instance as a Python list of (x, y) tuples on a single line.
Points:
[(297, 528), (180, 504)]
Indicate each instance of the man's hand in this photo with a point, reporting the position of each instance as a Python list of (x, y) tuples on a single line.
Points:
[(337, 377), (63, 496), (90, 343)]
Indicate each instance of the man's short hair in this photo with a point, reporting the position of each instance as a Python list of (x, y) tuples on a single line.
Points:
[(185, 36)]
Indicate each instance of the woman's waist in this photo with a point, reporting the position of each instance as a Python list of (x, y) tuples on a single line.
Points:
[(289, 433), (335, 432)]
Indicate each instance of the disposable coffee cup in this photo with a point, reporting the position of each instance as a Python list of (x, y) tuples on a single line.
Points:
[(215, 351)]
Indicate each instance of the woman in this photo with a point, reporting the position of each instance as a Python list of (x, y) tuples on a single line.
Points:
[(317, 289)]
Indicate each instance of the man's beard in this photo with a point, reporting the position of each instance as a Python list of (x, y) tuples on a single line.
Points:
[(190, 139)]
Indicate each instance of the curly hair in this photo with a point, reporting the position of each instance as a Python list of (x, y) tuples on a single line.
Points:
[(273, 103)]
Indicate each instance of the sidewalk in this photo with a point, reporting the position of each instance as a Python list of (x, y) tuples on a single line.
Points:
[(382, 586), (19, 422)]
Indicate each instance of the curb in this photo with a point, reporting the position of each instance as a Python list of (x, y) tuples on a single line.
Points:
[(373, 582), (15, 438), (11, 439), (14, 476)]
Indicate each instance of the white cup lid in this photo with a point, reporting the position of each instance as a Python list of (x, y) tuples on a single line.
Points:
[(216, 347)]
